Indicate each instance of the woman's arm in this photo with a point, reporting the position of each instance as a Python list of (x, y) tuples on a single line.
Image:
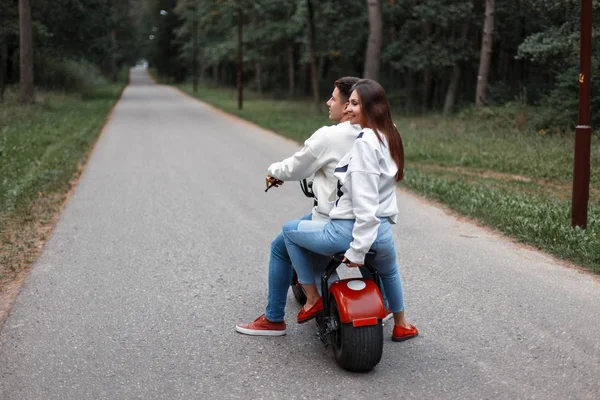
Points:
[(363, 187)]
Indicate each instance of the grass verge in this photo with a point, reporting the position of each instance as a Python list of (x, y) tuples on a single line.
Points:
[(43, 147), (486, 164)]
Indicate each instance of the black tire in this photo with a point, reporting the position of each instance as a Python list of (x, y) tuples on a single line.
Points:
[(356, 349), (297, 290)]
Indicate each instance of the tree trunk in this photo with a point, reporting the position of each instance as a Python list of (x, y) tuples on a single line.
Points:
[(321, 68), (313, 56), (240, 83), (486, 53), (113, 56), (456, 73), (291, 71), (3, 60), (195, 49), (410, 89), (2, 69), (373, 55), (258, 77), (427, 76), (26, 50)]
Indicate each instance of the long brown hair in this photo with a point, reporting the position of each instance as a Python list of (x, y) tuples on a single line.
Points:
[(377, 116)]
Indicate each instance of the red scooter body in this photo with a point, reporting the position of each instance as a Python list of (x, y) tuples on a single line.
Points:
[(359, 301)]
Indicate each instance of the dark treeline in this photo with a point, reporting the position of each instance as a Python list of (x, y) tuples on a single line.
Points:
[(74, 42), (430, 51), (434, 55)]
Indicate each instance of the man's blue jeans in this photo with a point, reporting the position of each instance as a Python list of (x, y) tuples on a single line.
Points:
[(280, 276), (328, 238)]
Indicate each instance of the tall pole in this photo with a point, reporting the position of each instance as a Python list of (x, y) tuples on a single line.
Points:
[(240, 60), (26, 51), (195, 47), (583, 132)]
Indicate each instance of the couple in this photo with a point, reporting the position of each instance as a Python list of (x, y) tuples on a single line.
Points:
[(356, 166)]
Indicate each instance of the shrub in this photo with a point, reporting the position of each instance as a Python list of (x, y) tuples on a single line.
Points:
[(67, 75)]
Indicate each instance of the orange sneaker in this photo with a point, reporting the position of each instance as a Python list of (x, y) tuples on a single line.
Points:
[(261, 326), (401, 333), (307, 315)]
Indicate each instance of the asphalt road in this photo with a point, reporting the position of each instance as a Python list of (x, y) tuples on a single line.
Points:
[(163, 247)]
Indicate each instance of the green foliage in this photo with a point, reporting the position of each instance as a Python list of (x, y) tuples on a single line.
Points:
[(69, 37), (534, 49), (554, 52), (42, 144), (484, 165), (540, 221), (67, 75), (294, 119)]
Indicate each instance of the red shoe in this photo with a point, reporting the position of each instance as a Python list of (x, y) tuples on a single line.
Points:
[(401, 333), (307, 315), (261, 326)]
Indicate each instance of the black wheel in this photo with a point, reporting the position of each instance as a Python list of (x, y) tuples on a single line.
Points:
[(299, 294), (356, 349)]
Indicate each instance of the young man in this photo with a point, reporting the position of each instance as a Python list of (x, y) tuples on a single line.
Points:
[(319, 157)]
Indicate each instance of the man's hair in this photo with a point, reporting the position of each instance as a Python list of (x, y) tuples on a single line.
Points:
[(344, 85)]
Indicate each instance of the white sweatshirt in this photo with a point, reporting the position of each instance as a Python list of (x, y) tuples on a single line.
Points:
[(366, 191), (319, 157)]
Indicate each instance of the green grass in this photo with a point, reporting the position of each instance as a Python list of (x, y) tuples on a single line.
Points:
[(539, 219), (42, 147), (293, 119), (487, 164)]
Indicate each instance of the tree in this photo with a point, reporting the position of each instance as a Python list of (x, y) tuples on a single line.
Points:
[(8, 31), (373, 55), (457, 68), (486, 53), (313, 55), (26, 51), (240, 57)]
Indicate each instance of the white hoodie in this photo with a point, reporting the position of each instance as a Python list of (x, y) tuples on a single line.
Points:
[(319, 157), (366, 191)]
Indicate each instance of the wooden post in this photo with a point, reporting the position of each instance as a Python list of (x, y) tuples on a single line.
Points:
[(240, 75), (26, 51), (583, 132), (195, 48)]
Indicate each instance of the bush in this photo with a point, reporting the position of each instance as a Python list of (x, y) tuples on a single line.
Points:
[(66, 74)]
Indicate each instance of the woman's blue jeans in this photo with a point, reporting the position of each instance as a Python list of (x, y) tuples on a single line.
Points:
[(328, 238)]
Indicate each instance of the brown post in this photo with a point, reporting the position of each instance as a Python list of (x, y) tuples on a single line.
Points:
[(583, 132), (240, 60), (26, 52), (195, 48)]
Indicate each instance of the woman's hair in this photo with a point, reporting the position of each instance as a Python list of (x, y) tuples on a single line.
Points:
[(377, 116)]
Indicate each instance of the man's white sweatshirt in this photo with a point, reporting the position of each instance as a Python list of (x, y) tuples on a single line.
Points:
[(366, 191), (319, 157)]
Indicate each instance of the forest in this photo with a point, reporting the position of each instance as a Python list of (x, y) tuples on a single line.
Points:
[(434, 56), (484, 92)]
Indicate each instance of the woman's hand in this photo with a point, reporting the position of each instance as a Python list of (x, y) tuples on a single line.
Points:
[(350, 263)]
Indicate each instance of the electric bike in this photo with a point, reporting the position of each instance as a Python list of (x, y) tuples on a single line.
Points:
[(353, 312)]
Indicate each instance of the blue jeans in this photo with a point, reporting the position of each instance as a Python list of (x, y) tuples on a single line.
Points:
[(328, 238), (280, 276)]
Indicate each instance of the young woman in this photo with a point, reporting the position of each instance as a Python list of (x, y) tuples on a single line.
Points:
[(364, 207)]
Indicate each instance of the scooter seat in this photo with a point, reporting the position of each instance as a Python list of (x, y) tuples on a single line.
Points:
[(369, 257)]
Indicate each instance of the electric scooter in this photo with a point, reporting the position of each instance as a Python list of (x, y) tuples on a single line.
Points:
[(353, 312)]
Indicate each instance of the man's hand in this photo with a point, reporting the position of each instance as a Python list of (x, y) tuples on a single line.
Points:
[(270, 181), (350, 263)]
